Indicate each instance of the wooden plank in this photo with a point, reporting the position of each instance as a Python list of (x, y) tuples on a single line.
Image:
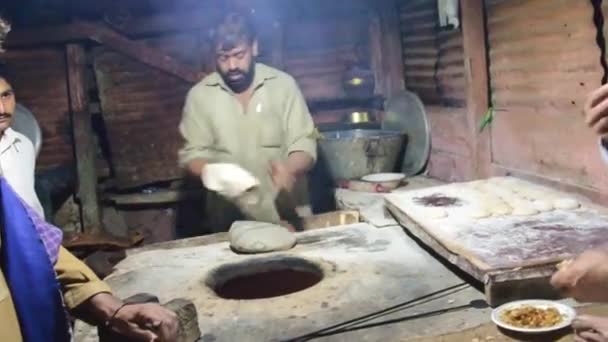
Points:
[(377, 60), (513, 256), (278, 36), (420, 233), (500, 286), (159, 197), (391, 47), (476, 76), (84, 143), (385, 44)]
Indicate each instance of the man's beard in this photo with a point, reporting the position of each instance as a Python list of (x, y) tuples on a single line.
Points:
[(239, 80)]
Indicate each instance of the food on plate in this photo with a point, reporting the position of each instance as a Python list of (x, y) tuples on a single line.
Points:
[(528, 316)]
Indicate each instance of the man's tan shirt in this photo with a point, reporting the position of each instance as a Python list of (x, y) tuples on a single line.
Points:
[(217, 128)]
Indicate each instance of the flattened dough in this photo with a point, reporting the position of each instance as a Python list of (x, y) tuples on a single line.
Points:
[(566, 203), (542, 205), (260, 237), (524, 211)]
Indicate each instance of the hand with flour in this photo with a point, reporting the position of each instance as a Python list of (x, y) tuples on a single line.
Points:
[(282, 176), (586, 277), (228, 180)]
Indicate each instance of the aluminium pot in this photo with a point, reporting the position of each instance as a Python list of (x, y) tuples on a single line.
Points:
[(352, 154)]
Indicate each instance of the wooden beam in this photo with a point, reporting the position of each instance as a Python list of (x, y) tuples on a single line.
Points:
[(84, 143), (174, 22), (138, 51), (377, 60), (99, 33), (61, 34), (477, 88)]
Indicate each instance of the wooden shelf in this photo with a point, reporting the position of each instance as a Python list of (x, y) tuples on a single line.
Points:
[(374, 102)]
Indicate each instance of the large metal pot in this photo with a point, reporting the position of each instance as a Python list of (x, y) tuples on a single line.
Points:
[(352, 154)]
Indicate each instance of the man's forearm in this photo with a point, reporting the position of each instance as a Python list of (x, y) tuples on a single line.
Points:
[(195, 167), (299, 163)]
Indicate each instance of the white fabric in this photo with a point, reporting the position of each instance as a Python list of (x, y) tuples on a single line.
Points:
[(229, 180), (18, 164), (448, 13)]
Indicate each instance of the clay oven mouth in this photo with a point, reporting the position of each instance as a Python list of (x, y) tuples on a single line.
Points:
[(264, 278)]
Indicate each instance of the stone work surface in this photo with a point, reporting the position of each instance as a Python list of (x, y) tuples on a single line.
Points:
[(365, 270)]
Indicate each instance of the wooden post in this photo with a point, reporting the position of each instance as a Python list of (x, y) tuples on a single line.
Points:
[(277, 44), (387, 53), (84, 144), (477, 84)]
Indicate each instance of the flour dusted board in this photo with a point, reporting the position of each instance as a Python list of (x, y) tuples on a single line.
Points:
[(501, 225)]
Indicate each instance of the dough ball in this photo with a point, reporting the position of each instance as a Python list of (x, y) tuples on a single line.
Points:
[(260, 237), (566, 203), (524, 211), (478, 212), (434, 213), (501, 209), (542, 205)]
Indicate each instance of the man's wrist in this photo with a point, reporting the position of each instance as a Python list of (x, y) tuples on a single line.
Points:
[(103, 306)]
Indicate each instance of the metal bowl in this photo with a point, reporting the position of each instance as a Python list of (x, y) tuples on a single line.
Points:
[(352, 154)]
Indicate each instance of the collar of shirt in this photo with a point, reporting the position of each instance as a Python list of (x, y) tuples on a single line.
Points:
[(8, 139), (262, 74)]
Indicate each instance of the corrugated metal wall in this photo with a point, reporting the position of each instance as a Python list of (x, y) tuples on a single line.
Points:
[(318, 51), (433, 58), (434, 69), (544, 60), (142, 109), (41, 86)]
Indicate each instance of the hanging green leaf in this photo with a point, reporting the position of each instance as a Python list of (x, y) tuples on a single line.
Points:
[(487, 119)]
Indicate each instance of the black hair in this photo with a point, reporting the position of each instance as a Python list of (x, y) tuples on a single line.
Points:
[(6, 73), (234, 28)]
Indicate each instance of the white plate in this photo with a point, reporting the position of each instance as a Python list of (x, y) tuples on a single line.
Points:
[(567, 312), (383, 177)]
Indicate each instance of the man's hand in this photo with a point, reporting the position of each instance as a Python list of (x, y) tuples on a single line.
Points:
[(585, 278), (596, 111), (590, 329), (229, 180), (282, 177), (146, 322)]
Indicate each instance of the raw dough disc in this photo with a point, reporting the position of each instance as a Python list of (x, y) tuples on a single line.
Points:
[(260, 237), (566, 203), (524, 211), (542, 205)]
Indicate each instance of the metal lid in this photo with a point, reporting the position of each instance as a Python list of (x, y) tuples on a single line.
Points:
[(405, 112)]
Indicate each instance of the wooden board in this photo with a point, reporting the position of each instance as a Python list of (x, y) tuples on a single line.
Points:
[(505, 249)]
